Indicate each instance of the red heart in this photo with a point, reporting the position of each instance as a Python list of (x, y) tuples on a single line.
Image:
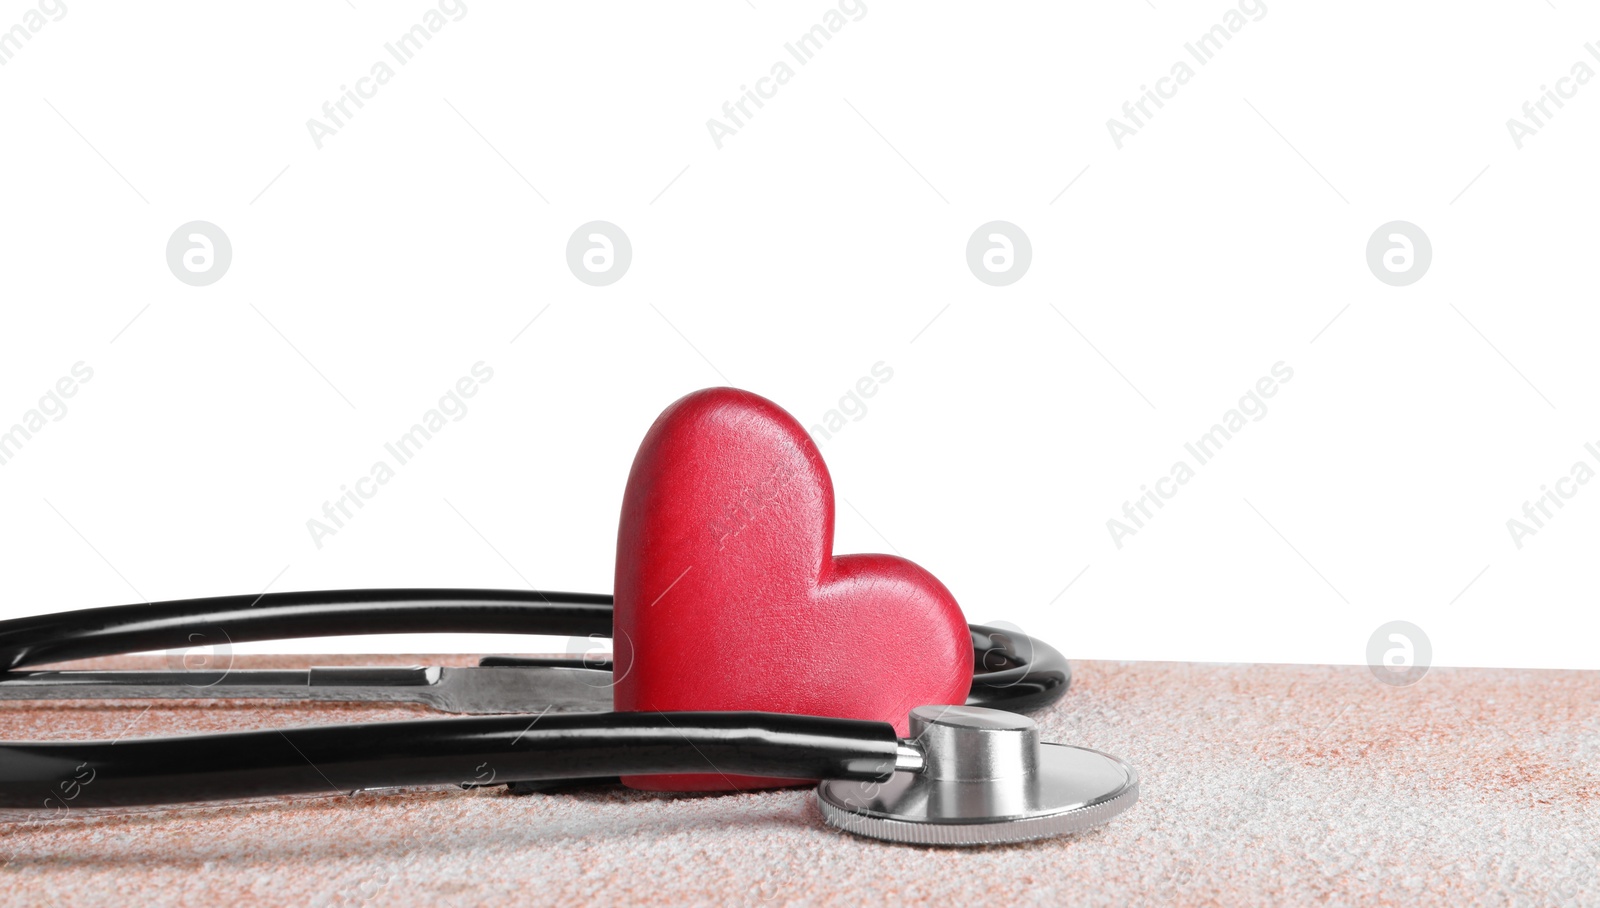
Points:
[(728, 595)]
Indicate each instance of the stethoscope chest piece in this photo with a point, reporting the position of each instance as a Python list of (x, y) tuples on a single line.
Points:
[(984, 778)]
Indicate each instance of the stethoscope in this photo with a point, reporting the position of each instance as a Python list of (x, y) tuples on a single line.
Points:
[(970, 774)]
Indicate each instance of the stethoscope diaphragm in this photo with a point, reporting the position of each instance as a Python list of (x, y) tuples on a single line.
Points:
[(985, 779)]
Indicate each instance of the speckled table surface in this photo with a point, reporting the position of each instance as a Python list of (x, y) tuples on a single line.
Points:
[(1261, 784)]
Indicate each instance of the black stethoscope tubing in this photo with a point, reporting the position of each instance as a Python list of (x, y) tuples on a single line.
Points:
[(1012, 671)]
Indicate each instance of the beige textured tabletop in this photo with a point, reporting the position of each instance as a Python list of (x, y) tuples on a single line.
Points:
[(1261, 784)]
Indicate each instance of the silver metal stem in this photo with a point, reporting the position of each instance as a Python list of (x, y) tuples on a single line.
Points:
[(477, 689), (908, 758)]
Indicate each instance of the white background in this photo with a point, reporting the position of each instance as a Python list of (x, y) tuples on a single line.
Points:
[(828, 234)]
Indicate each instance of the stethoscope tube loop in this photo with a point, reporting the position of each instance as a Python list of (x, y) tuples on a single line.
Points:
[(340, 759), (175, 624), (1012, 670)]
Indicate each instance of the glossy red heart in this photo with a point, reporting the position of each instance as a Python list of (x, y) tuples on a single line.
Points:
[(729, 597)]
